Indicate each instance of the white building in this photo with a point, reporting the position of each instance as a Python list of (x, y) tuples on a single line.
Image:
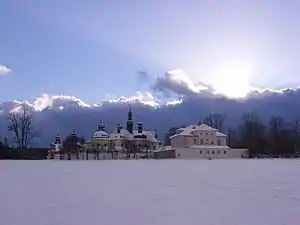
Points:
[(203, 141)]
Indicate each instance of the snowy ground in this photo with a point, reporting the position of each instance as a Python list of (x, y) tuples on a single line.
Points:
[(150, 192)]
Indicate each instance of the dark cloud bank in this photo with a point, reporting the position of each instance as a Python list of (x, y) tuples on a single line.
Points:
[(84, 120)]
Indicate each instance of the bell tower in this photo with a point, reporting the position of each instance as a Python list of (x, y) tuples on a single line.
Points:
[(130, 121)]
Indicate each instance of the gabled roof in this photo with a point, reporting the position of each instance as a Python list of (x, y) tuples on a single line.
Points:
[(187, 131), (205, 127), (219, 134)]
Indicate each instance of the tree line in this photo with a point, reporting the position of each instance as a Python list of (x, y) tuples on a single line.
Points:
[(276, 137)]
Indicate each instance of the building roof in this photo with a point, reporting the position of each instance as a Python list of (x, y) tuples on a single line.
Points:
[(124, 134), (100, 134), (219, 134), (187, 131), (150, 136)]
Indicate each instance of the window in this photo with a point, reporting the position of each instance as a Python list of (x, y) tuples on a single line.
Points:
[(219, 142), (218, 152), (200, 133), (212, 133), (200, 152), (212, 142), (195, 141), (207, 141), (207, 152), (225, 152), (105, 145), (122, 145), (206, 133), (201, 141)]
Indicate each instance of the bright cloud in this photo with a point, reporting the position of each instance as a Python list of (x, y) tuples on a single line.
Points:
[(178, 82), (4, 70), (58, 101), (145, 98)]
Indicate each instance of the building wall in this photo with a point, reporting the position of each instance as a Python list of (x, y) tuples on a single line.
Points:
[(167, 154), (199, 138), (191, 153)]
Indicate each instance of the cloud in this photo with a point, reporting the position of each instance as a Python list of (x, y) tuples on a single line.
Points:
[(4, 70), (143, 76), (58, 102), (61, 114), (145, 98), (179, 83)]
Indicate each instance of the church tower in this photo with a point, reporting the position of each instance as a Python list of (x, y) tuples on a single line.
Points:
[(130, 121)]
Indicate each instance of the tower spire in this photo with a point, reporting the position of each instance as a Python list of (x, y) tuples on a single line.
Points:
[(130, 121)]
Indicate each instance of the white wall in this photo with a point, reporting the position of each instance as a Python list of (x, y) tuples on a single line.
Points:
[(191, 153), (199, 138)]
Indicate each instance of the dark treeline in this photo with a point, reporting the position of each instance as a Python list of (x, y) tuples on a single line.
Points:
[(275, 137), (18, 153)]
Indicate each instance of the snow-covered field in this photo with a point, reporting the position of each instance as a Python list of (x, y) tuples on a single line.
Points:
[(150, 192)]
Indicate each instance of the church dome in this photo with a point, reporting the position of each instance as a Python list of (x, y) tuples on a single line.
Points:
[(100, 134)]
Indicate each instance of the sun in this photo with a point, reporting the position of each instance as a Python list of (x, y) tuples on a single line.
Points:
[(233, 79)]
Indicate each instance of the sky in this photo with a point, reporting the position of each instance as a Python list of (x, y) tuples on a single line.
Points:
[(100, 50)]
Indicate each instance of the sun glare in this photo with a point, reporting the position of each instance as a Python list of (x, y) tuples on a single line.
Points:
[(233, 79)]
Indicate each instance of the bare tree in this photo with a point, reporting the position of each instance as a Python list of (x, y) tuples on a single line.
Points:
[(231, 136), (295, 128), (21, 125), (215, 120), (252, 132)]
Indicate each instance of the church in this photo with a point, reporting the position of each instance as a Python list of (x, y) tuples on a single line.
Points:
[(120, 144)]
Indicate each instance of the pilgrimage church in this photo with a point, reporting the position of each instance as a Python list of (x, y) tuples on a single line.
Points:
[(118, 143), (122, 138)]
